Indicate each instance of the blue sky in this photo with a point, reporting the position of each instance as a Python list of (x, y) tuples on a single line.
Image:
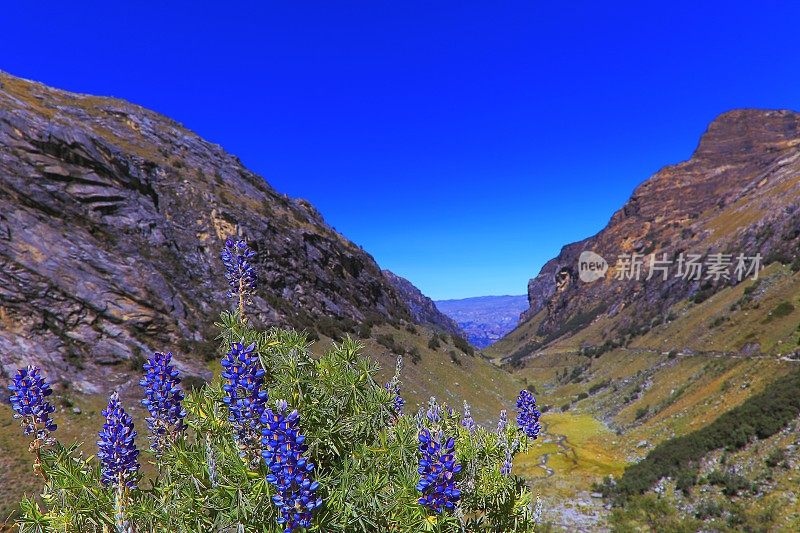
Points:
[(461, 143)]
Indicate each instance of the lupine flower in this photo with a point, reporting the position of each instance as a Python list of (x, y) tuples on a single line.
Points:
[(394, 387), (290, 471), (437, 470), (237, 257), (28, 392), (468, 422), (163, 397), (434, 412), (528, 415), (118, 451), (502, 424), (398, 402), (505, 468), (244, 397)]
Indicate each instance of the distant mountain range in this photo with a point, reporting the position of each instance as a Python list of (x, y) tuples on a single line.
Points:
[(485, 319)]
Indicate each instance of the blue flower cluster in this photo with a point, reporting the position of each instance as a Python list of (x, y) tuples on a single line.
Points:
[(245, 397), (468, 422), (437, 471), (163, 397), (28, 392), (398, 402), (237, 257), (118, 453), (290, 472), (528, 415)]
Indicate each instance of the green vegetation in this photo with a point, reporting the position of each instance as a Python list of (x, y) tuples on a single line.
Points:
[(388, 341), (761, 416), (462, 344), (434, 343)]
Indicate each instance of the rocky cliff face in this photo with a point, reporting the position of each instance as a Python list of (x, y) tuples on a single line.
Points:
[(739, 193), (111, 223), (422, 308)]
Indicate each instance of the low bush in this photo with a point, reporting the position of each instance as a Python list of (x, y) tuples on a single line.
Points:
[(462, 344), (434, 343), (281, 441), (761, 416), (388, 341)]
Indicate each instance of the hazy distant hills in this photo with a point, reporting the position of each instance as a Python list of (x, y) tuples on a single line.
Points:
[(485, 319)]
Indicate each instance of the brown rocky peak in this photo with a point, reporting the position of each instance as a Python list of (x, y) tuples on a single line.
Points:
[(738, 193)]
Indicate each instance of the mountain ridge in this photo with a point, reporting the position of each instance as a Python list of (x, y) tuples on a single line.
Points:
[(111, 221), (745, 158)]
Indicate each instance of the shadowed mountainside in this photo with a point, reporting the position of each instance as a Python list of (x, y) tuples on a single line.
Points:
[(111, 222), (422, 309)]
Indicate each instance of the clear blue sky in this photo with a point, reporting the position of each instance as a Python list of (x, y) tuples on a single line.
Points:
[(461, 143)]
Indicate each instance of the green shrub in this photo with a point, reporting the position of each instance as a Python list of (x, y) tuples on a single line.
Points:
[(782, 309), (761, 416), (598, 386), (434, 344), (415, 355), (366, 459), (388, 341), (776, 457), (462, 344), (731, 483)]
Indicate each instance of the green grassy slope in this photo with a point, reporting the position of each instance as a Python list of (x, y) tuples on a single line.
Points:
[(699, 362)]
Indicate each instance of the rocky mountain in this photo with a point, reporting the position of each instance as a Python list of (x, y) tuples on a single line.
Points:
[(111, 222), (739, 193), (485, 319), (658, 380), (422, 309)]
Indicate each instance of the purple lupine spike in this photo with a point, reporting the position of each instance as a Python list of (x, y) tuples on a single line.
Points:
[(505, 468), (397, 402), (502, 423), (289, 471), (29, 390), (467, 421), (394, 388), (528, 415), (434, 412), (237, 257), (437, 470), (118, 453), (163, 400), (245, 397)]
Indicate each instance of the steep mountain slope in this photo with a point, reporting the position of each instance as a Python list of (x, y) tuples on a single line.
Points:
[(738, 194), (112, 218), (111, 221), (422, 308), (485, 319), (631, 364)]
